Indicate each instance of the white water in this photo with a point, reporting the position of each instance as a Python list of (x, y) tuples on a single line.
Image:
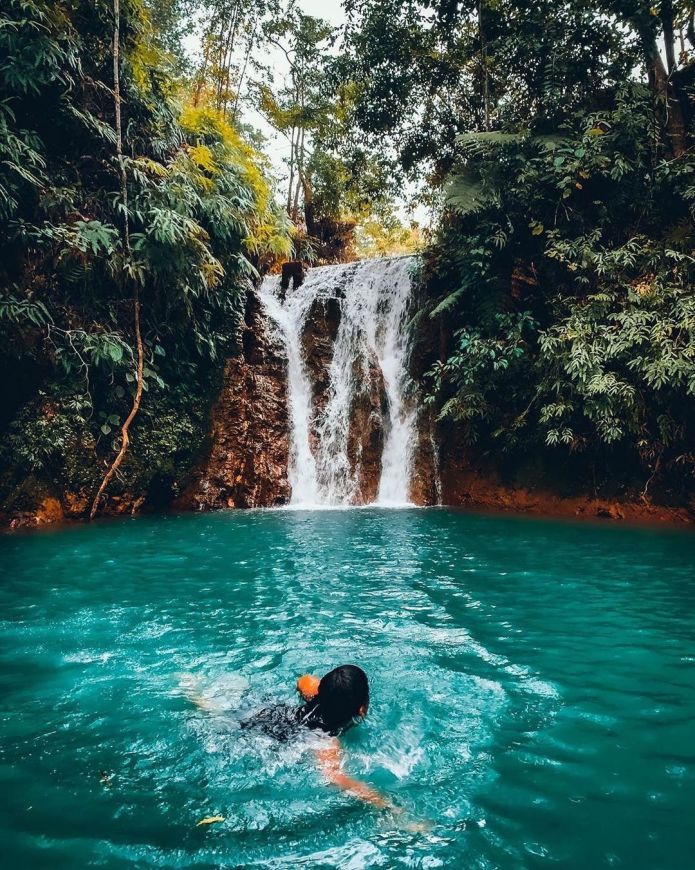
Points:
[(373, 297)]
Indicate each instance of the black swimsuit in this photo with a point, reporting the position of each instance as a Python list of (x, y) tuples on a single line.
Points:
[(283, 721)]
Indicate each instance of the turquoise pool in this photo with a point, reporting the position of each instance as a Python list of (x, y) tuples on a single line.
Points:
[(533, 691)]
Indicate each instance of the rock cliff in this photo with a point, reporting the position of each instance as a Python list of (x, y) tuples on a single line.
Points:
[(247, 448)]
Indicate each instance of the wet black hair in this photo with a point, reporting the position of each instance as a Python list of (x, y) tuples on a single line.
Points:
[(342, 693)]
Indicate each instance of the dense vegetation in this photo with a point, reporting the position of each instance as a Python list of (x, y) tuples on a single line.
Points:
[(184, 215), (553, 142), (561, 275)]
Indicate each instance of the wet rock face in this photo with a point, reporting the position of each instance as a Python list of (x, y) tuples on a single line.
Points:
[(318, 339), (366, 433), (246, 464), (424, 476)]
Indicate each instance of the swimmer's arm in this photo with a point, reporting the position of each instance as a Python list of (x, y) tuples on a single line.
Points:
[(330, 763)]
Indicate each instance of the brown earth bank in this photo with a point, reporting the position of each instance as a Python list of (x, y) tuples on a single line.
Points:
[(476, 485), (463, 487), (462, 483)]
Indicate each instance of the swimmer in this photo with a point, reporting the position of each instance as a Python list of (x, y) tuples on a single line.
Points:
[(331, 705)]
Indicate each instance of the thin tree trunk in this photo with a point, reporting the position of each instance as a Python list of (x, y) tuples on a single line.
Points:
[(202, 72), (243, 72), (300, 172), (483, 58), (126, 250), (308, 205), (291, 183), (229, 54), (669, 36), (220, 63), (667, 100)]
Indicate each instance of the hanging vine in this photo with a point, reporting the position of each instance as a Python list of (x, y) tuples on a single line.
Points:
[(125, 439)]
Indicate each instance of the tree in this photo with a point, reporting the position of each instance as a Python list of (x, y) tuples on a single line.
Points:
[(232, 33), (559, 138), (299, 106)]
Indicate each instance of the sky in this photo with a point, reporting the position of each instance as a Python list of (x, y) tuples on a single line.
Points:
[(331, 10)]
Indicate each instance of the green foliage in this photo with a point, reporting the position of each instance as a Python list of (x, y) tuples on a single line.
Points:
[(481, 370), (620, 366), (564, 269), (202, 221)]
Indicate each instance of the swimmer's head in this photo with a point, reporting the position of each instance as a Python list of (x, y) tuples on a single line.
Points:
[(343, 694)]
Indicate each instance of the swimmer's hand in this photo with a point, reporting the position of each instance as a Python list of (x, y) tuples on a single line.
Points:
[(190, 687), (330, 761), (409, 824)]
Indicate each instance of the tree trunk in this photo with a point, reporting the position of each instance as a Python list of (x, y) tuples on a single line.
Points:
[(667, 100), (300, 172), (291, 182), (126, 251), (484, 64), (202, 72), (229, 54), (308, 205), (669, 36), (249, 49)]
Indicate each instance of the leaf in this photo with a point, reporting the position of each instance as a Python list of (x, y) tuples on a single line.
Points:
[(464, 193), (447, 302), (209, 820), (105, 428), (115, 351)]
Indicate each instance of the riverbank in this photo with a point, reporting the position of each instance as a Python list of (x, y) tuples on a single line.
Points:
[(472, 492), (538, 491)]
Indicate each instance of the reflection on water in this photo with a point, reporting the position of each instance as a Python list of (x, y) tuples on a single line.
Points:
[(532, 691)]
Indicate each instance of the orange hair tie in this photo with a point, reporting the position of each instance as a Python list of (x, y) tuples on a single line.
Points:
[(308, 686)]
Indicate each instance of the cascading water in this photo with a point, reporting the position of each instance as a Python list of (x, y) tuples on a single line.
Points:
[(289, 318), (370, 346)]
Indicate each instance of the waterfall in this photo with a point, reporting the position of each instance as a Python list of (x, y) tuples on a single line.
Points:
[(289, 318), (363, 395)]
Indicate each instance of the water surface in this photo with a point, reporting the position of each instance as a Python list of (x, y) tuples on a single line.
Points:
[(533, 691)]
